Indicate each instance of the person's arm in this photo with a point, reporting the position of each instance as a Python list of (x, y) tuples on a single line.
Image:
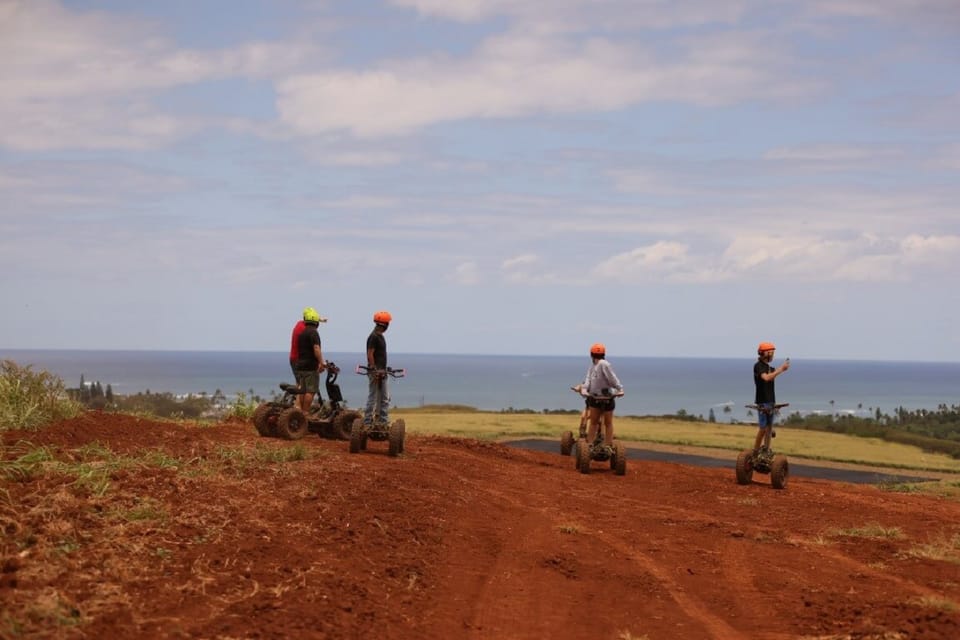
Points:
[(318, 353), (370, 362), (614, 380), (767, 377)]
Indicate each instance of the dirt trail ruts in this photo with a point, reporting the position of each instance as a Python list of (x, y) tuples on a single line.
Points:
[(198, 532)]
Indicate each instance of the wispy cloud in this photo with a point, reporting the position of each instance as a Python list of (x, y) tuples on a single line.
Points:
[(75, 79), (795, 259)]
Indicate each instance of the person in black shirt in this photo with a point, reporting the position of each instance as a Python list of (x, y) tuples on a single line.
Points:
[(378, 398), (766, 397)]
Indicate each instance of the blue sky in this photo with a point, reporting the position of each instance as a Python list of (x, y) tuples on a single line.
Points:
[(671, 178)]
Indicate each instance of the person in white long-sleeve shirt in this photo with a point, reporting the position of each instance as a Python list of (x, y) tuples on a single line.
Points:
[(600, 387)]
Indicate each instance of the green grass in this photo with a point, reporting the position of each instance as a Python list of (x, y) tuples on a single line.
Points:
[(815, 445), (144, 509), (29, 463), (90, 467)]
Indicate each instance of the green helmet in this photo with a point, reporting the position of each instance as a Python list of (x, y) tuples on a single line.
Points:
[(310, 315)]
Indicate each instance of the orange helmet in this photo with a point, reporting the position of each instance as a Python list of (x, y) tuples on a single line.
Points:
[(766, 346), (597, 349), (382, 317)]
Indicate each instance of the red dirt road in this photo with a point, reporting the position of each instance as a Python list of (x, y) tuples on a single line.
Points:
[(165, 530)]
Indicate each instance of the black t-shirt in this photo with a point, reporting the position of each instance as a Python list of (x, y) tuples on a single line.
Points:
[(765, 390), (306, 359), (378, 343)]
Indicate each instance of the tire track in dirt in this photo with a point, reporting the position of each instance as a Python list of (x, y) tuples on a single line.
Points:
[(537, 516), (758, 518)]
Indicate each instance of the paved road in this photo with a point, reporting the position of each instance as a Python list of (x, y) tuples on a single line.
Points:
[(802, 470)]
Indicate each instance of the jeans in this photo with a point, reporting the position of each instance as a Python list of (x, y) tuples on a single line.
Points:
[(378, 399), (765, 415)]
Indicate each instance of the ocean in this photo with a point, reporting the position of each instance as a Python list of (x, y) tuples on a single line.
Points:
[(654, 386)]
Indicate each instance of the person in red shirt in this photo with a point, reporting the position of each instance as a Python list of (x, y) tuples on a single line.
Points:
[(306, 356)]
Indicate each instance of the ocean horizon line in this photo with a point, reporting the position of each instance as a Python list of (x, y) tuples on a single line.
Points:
[(793, 358), (655, 385)]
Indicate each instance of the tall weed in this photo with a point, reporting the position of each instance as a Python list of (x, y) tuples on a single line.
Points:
[(31, 399)]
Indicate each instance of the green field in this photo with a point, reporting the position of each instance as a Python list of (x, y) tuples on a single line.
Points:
[(814, 445)]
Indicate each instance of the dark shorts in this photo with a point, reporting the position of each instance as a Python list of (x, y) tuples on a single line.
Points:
[(309, 381), (604, 404)]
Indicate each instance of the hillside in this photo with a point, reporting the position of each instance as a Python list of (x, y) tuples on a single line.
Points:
[(116, 526)]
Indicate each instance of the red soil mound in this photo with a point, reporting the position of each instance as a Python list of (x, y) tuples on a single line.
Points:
[(188, 531)]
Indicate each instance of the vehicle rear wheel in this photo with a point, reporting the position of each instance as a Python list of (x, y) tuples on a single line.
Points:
[(779, 471), (745, 467), (291, 424), (566, 443), (261, 420), (619, 461), (343, 424)]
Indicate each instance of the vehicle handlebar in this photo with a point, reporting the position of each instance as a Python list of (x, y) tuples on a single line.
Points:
[(596, 396), (774, 409), (364, 370)]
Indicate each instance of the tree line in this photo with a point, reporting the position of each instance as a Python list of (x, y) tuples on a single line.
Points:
[(94, 395)]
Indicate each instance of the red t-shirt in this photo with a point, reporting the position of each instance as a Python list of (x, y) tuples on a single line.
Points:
[(294, 340)]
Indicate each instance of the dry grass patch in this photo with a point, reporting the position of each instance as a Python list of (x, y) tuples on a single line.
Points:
[(937, 602), (944, 548), (873, 531)]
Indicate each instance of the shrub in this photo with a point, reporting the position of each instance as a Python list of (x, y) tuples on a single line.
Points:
[(242, 408), (31, 399)]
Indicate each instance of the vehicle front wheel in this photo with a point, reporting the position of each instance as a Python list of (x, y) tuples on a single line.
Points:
[(291, 424), (583, 456), (779, 472), (357, 436), (343, 424)]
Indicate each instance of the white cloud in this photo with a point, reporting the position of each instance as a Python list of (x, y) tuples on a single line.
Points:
[(359, 158), (942, 250), (795, 259), (939, 12), (574, 15), (519, 261), (835, 157), (517, 75), (531, 270), (661, 260), (466, 273)]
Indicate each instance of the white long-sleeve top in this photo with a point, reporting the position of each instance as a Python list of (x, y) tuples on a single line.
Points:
[(600, 376)]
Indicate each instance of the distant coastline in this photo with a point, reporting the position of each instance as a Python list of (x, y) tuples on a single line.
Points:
[(655, 386)]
